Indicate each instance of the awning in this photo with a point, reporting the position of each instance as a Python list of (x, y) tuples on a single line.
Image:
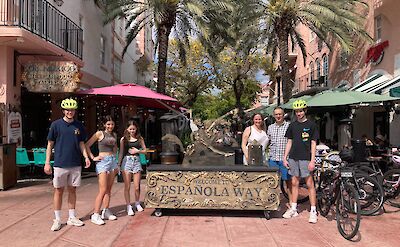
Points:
[(371, 83), (337, 98), (141, 95), (385, 87)]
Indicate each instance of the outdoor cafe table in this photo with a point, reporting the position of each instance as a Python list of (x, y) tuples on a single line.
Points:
[(235, 187)]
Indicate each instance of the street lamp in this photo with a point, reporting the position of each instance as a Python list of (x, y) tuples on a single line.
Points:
[(278, 75)]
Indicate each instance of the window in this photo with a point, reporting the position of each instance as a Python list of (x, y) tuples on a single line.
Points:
[(117, 69), (378, 28), (102, 50), (318, 68), (344, 60), (80, 23), (311, 72), (312, 36), (325, 68)]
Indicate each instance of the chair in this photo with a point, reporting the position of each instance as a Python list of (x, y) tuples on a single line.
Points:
[(39, 157), (22, 159)]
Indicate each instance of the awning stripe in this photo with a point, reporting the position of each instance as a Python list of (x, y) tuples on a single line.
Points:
[(368, 80), (373, 84), (387, 84)]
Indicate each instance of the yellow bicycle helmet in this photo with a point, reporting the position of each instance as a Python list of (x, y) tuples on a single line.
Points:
[(299, 104), (69, 104)]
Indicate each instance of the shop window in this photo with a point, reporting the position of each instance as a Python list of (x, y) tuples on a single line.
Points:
[(378, 28), (102, 50)]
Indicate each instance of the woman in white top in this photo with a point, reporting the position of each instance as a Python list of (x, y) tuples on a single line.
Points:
[(254, 132)]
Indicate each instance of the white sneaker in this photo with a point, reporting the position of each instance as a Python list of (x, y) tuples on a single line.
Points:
[(56, 225), (139, 207), (130, 211), (74, 222), (96, 219), (313, 217), (290, 213), (106, 214)]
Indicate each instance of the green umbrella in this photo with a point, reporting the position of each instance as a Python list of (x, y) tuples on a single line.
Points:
[(289, 104), (336, 98)]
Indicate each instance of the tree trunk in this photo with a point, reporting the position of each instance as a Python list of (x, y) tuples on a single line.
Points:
[(163, 35), (238, 88), (287, 84)]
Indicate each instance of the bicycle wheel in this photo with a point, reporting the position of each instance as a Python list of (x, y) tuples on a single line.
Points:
[(303, 191), (348, 215), (324, 201), (371, 194), (391, 186)]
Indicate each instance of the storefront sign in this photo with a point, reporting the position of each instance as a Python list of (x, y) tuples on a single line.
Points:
[(14, 127), (375, 54), (213, 190), (51, 76)]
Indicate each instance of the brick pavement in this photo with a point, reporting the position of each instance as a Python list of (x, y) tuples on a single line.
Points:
[(26, 215)]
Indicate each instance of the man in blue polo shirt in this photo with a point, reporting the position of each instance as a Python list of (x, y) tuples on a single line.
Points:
[(68, 137)]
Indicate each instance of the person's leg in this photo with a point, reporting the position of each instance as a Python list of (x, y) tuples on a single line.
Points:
[(294, 172), (311, 190), (287, 178), (136, 181), (71, 197), (127, 186), (106, 213), (57, 199), (102, 191)]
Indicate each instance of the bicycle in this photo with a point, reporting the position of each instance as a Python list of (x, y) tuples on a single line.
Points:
[(338, 187)]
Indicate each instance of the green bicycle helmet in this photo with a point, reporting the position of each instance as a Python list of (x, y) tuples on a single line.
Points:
[(69, 104), (299, 104)]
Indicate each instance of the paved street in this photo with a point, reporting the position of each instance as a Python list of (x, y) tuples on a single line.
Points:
[(26, 215)]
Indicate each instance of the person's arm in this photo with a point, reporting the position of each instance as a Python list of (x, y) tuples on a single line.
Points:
[(287, 151), (314, 138), (95, 137), (47, 166), (121, 150), (311, 165), (143, 150), (84, 153), (245, 138)]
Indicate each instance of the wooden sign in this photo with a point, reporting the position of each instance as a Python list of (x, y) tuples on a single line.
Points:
[(243, 190), (51, 76)]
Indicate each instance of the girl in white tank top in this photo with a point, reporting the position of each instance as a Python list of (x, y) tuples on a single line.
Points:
[(254, 133)]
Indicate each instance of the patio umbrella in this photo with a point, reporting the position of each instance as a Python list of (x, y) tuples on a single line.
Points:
[(337, 98), (141, 95), (289, 104)]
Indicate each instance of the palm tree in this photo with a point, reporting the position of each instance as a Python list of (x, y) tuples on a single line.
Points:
[(340, 21), (233, 42), (166, 15)]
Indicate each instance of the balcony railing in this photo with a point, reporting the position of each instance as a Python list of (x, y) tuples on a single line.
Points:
[(312, 80), (44, 20)]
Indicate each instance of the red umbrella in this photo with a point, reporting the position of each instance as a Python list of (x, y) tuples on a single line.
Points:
[(143, 95)]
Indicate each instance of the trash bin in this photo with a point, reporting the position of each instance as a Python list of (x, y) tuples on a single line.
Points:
[(359, 150), (8, 167), (238, 156)]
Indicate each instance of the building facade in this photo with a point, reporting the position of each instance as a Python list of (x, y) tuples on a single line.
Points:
[(54, 33), (371, 68)]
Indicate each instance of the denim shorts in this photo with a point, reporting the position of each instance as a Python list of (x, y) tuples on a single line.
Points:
[(131, 163), (107, 164), (282, 169)]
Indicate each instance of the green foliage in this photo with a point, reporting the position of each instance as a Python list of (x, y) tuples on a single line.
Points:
[(340, 21), (187, 79)]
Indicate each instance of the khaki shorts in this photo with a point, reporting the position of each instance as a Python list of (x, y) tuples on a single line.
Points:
[(67, 177)]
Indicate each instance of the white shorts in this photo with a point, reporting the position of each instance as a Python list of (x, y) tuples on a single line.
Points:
[(67, 177)]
